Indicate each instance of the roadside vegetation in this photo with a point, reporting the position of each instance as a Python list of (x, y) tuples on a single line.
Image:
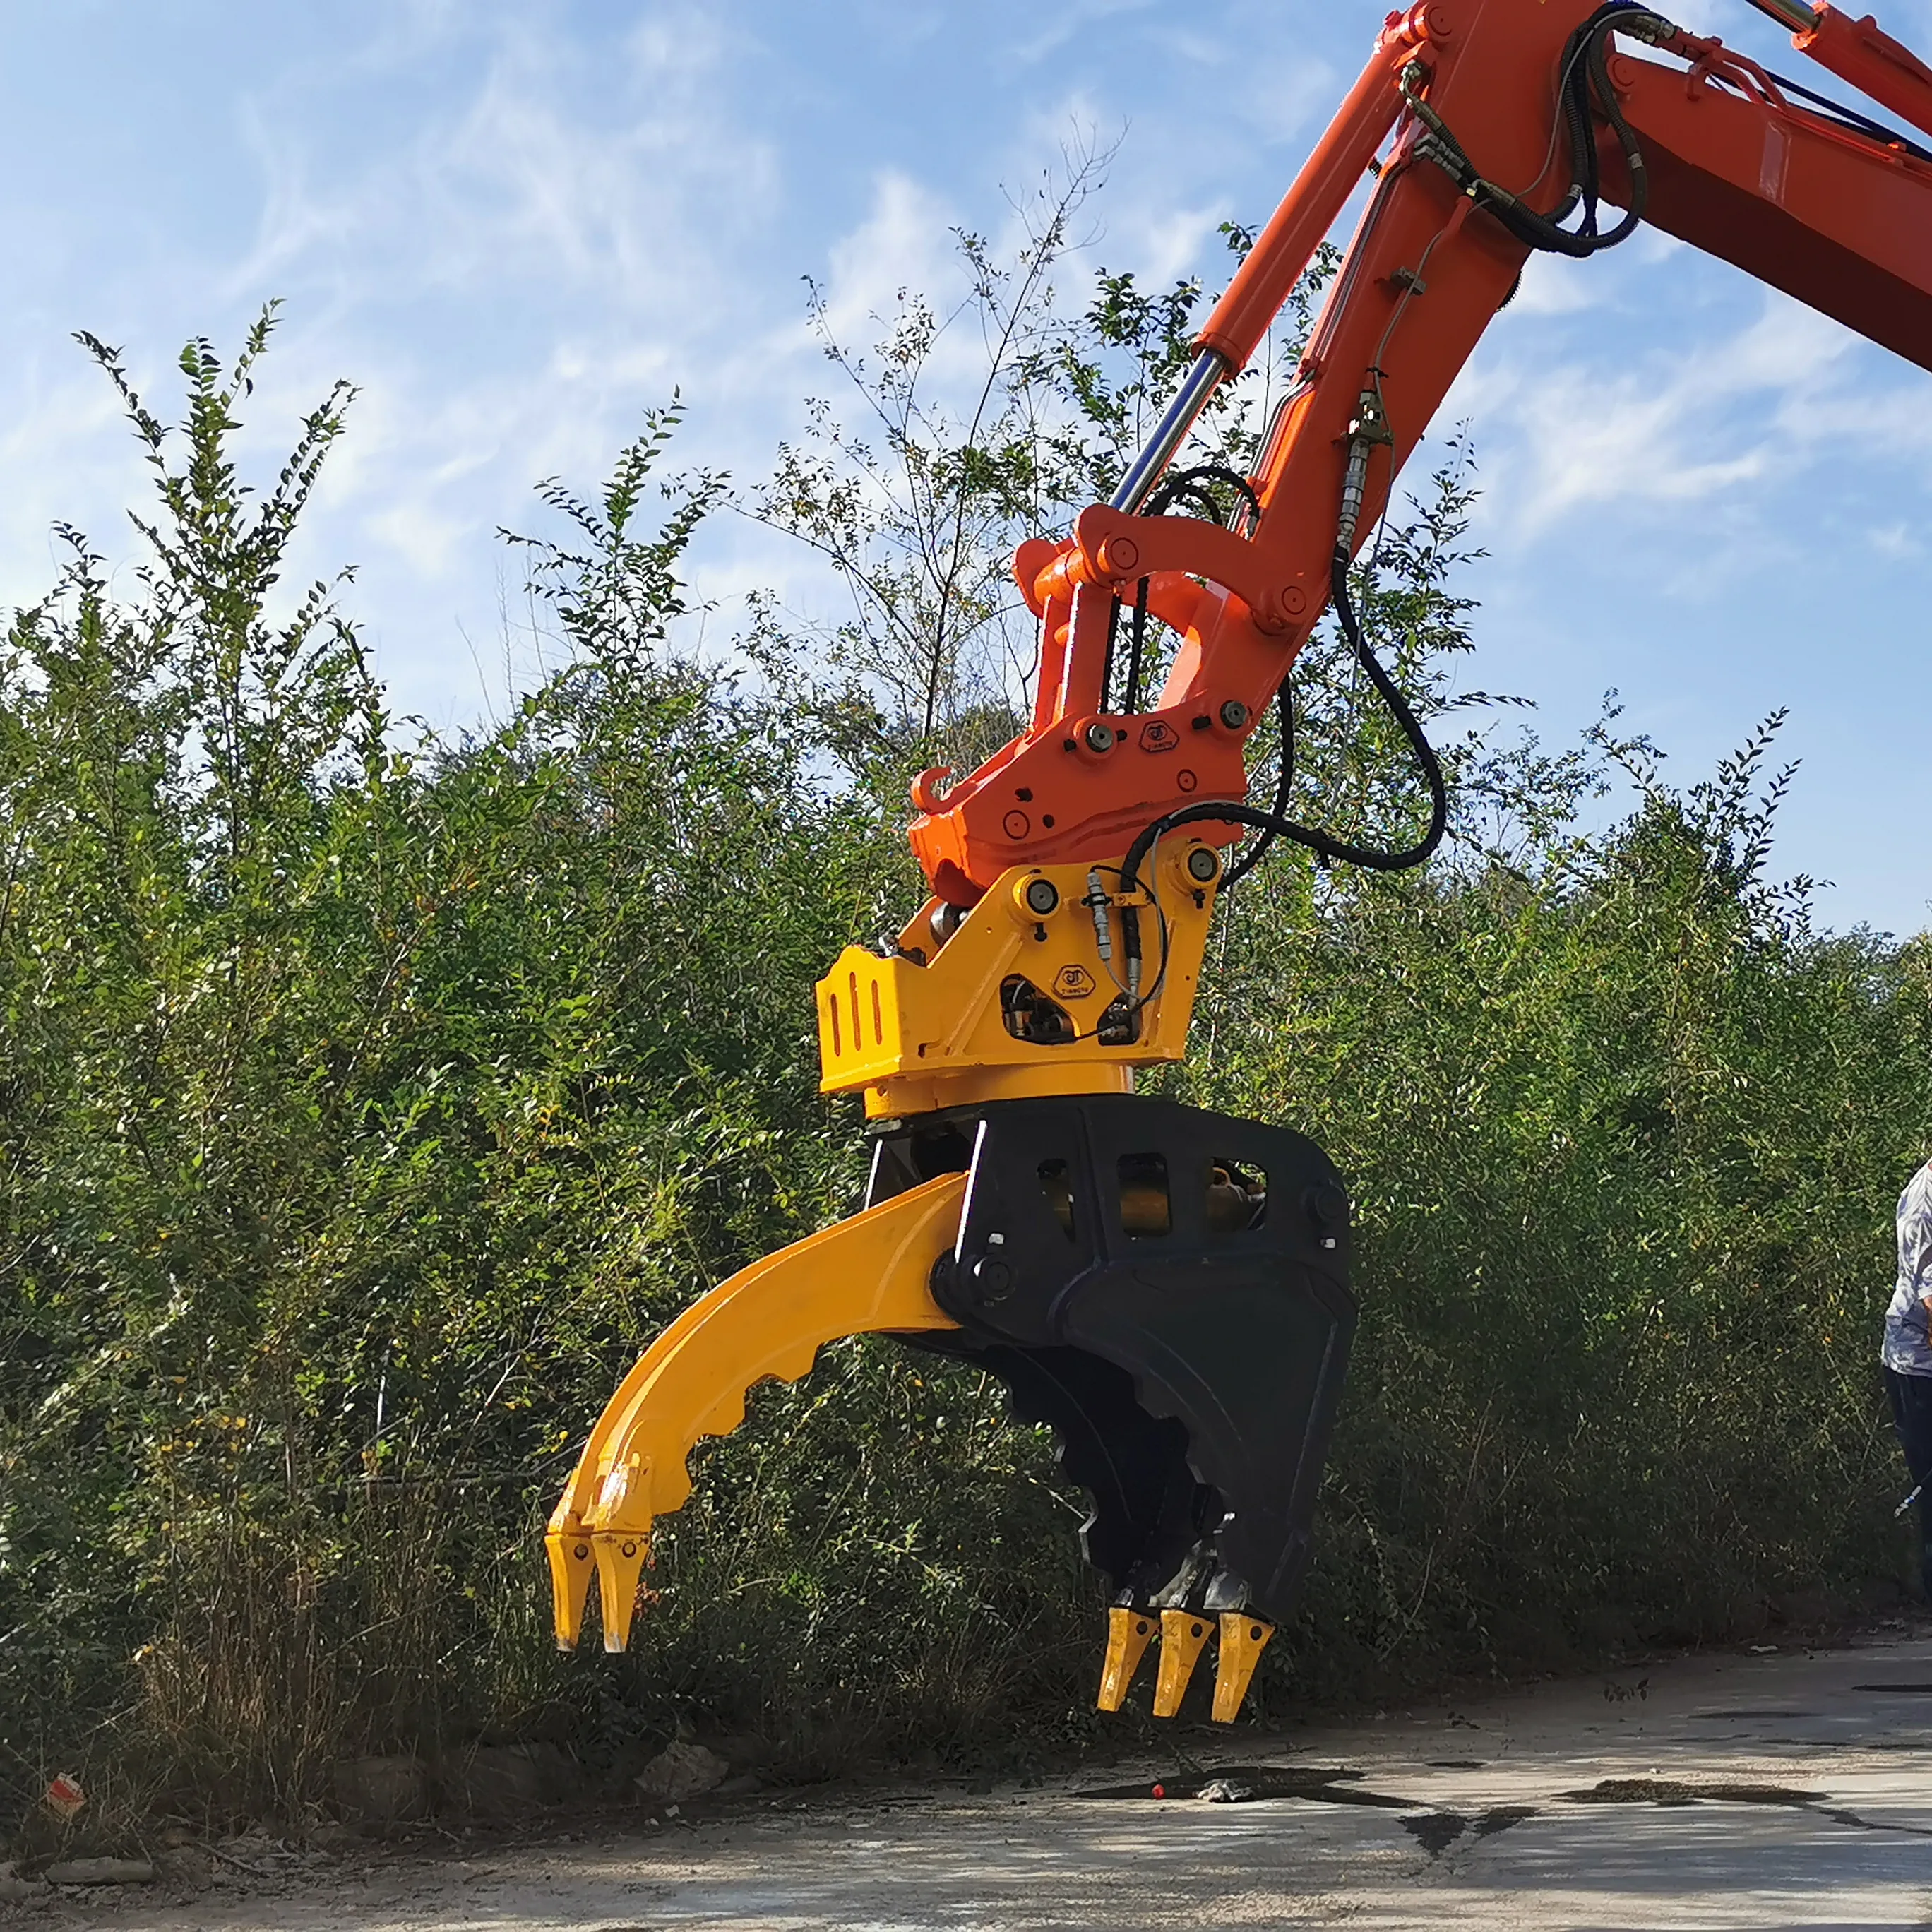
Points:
[(370, 1098)]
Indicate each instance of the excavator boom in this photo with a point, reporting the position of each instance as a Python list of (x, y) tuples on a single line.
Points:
[(1168, 1288)]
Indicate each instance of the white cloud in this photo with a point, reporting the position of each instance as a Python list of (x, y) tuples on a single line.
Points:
[(1710, 418), (904, 245), (1071, 24), (1551, 285)]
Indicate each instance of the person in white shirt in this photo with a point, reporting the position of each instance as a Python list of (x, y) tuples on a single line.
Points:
[(1907, 1352)]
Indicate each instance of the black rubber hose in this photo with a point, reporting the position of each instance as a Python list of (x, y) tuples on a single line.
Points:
[(1131, 702), (1107, 657), (1325, 846), (1590, 73), (1284, 782), (1192, 485), (1584, 72)]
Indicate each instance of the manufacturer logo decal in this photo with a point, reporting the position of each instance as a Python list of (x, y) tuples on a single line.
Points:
[(1073, 982)]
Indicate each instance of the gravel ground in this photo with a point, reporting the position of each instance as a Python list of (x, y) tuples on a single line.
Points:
[(1792, 1788)]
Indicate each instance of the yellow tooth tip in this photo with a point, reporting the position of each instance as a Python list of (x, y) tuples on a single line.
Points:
[(1128, 1632), (1243, 1637), (572, 1574), (1183, 1636), (620, 1558)]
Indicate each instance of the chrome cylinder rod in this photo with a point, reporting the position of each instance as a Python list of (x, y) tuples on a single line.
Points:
[(1792, 13), (1203, 379)]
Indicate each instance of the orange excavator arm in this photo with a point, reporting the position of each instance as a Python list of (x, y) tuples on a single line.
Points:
[(1169, 1288), (1829, 206)]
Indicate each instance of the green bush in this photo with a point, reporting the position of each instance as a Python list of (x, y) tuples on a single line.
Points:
[(371, 1098)]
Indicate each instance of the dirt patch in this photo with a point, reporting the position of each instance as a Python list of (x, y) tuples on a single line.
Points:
[(1669, 1791), (1435, 1832)]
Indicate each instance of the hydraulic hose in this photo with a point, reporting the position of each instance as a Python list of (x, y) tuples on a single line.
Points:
[(1583, 87), (1585, 74), (1275, 824)]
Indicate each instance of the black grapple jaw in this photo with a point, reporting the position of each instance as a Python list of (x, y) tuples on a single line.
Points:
[(1167, 1287)]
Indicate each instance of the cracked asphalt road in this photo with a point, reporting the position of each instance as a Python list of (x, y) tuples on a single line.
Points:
[(1792, 1789)]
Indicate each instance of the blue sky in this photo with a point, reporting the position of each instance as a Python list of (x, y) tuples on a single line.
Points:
[(515, 224)]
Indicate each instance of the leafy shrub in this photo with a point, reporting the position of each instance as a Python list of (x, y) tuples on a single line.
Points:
[(371, 1099)]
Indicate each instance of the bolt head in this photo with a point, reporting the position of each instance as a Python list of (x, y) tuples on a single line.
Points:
[(992, 1277), (1327, 1204), (1100, 737), (1234, 714), (1043, 896)]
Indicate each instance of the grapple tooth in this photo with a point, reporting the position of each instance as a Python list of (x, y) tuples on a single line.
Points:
[(1244, 1638), (572, 1571), (1148, 1511), (1183, 1636), (1128, 1633), (620, 1563)]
